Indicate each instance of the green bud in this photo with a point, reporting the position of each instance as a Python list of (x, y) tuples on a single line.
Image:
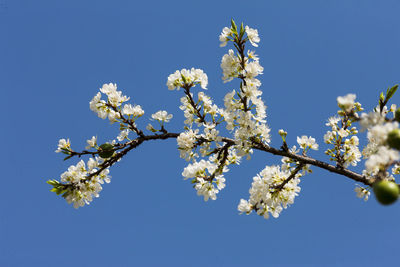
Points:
[(393, 139), (397, 115), (106, 150), (386, 192)]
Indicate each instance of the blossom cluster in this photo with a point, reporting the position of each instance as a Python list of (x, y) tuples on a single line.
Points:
[(76, 187), (244, 115), (82, 182), (186, 77), (342, 135), (107, 108), (209, 154), (379, 154), (201, 172), (245, 111), (266, 198)]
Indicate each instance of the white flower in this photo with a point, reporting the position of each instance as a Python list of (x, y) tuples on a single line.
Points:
[(115, 98), (123, 134), (223, 38), (381, 159), (63, 146), (264, 198), (136, 110), (83, 190), (151, 128), (230, 65), (220, 182), (362, 192), (244, 206), (343, 133), (307, 142), (333, 122), (329, 137), (91, 142), (187, 139), (252, 55), (371, 119), (162, 116), (174, 80), (253, 69), (378, 133), (352, 154), (199, 77), (252, 34), (186, 77), (204, 187), (346, 102)]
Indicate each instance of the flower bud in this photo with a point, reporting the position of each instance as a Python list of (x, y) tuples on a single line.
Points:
[(393, 139), (386, 192), (397, 115), (106, 150)]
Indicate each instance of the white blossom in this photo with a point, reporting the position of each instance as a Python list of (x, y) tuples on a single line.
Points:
[(264, 198), (371, 119), (252, 34), (83, 190), (333, 122), (230, 65), (224, 36), (162, 116), (123, 134), (381, 159), (186, 141), (63, 145), (253, 69), (135, 111), (307, 142), (346, 102), (244, 206), (362, 192), (200, 171), (187, 77), (91, 142), (378, 133)]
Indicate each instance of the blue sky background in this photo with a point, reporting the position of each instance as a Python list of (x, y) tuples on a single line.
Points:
[(54, 55)]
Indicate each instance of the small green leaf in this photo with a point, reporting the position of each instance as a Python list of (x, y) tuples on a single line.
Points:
[(390, 92), (233, 24), (53, 182), (241, 31)]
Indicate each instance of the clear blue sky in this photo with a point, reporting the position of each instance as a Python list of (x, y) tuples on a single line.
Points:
[(54, 55)]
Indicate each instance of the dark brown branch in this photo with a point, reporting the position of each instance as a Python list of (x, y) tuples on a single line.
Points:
[(307, 160), (193, 104), (229, 142), (127, 121), (130, 145), (287, 180), (224, 151)]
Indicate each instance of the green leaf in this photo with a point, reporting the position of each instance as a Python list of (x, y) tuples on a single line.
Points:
[(241, 31), (53, 190), (233, 24), (54, 183), (390, 92)]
